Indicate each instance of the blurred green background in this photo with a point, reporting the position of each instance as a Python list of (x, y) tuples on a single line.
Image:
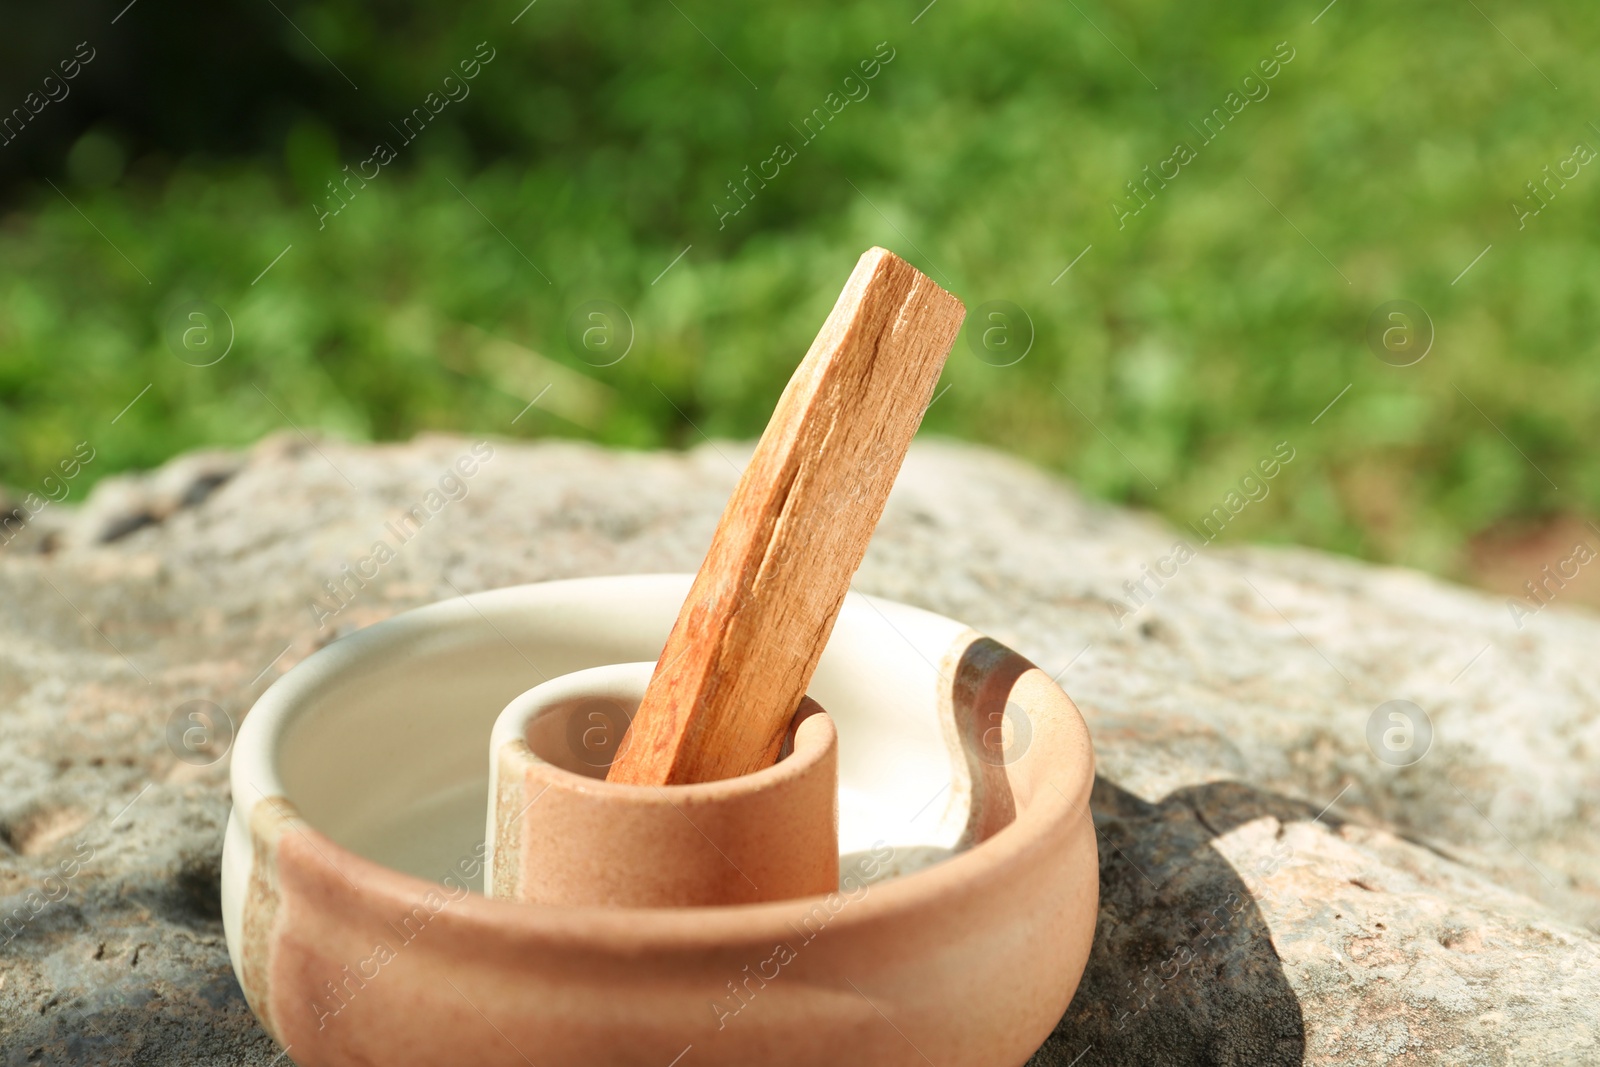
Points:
[(593, 149)]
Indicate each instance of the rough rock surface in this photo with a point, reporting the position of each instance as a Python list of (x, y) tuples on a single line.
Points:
[(1272, 891)]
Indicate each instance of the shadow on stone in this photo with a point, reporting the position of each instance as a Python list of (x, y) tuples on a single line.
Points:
[(1183, 969), (186, 1017)]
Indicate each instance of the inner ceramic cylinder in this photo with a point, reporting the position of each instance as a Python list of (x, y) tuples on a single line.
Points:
[(381, 742), (561, 835)]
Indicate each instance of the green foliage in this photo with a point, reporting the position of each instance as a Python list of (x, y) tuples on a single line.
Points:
[(1180, 349)]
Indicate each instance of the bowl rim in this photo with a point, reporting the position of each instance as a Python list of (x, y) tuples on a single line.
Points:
[(255, 781)]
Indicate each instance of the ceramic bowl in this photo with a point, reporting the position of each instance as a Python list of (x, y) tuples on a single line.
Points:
[(355, 854)]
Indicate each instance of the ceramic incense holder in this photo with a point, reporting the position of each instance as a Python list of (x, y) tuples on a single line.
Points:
[(559, 833), (355, 855)]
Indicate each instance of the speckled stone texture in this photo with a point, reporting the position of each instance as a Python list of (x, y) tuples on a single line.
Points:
[(1272, 893)]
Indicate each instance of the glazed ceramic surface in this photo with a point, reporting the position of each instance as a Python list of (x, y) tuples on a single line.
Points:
[(356, 847)]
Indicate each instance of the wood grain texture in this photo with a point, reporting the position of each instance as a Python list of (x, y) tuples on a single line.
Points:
[(761, 608)]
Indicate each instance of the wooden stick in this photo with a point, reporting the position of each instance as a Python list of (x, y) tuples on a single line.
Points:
[(749, 636)]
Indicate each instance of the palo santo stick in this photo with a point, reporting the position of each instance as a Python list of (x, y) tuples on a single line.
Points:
[(749, 636)]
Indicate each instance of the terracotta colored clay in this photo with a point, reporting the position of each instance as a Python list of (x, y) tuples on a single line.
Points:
[(961, 924), (559, 833)]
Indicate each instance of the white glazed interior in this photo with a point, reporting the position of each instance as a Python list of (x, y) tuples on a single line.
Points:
[(379, 740)]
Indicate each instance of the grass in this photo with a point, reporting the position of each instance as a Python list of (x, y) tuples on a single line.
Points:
[(1184, 344)]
